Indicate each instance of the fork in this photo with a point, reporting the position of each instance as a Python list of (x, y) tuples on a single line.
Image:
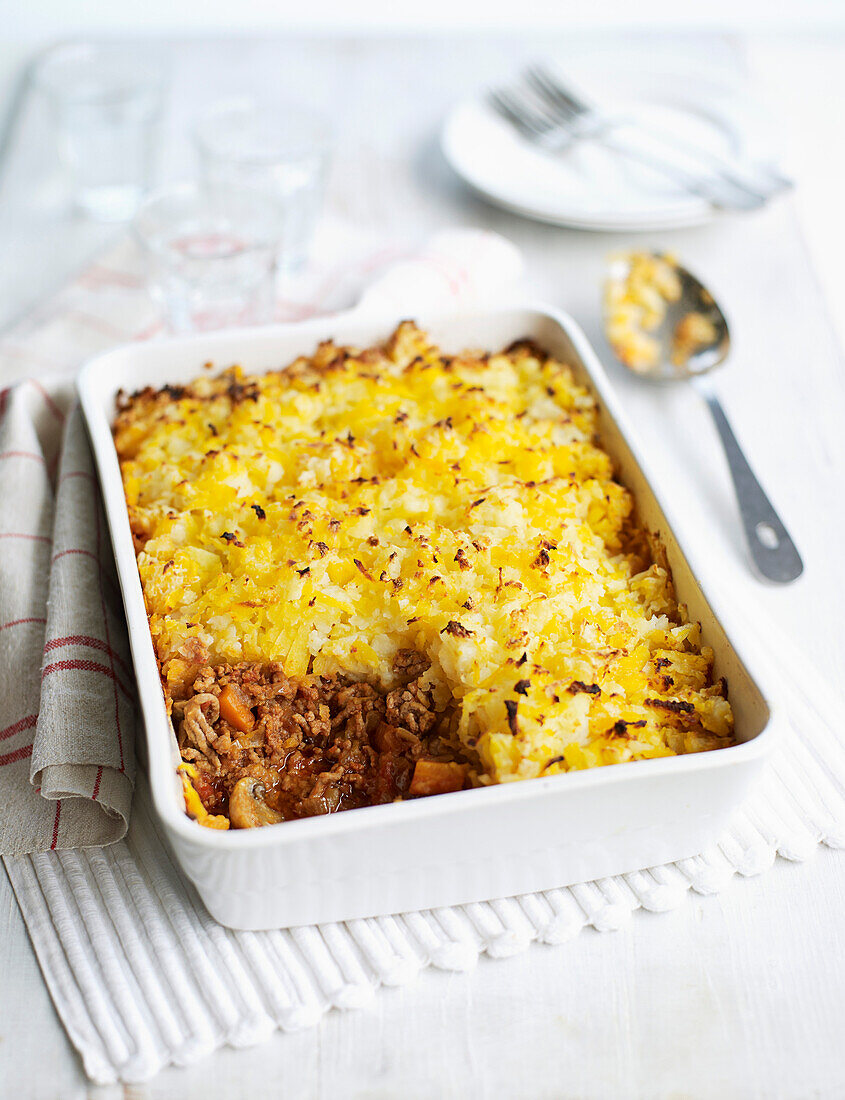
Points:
[(547, 127), (570, 105)]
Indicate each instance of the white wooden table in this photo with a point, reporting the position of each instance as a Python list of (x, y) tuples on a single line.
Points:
[(737, 995)]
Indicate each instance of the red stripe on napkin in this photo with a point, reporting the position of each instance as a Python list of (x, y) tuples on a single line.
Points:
[(108, 641), (88, 666), (27, 723), (78, 473), (90, 643), (48, 401), (18, 754), (22, 454), (56, 826), (18, 622)]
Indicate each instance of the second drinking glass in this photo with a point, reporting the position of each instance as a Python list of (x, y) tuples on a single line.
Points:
[(280, 150)]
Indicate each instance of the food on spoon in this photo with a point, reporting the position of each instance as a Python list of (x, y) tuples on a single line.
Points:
[(641, 288), (694, 332), (635, 306)]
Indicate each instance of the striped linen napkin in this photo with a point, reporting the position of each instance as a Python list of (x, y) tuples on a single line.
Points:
[(67, 761), (140, 974)]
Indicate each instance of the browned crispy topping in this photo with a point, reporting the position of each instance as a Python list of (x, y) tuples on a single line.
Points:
[(677, 706), (554, 760), (457, 630), (362, 569), (578, 685), (620, 728), (242, 391)]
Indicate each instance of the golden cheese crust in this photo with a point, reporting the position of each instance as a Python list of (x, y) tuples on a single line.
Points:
[(358, 504)]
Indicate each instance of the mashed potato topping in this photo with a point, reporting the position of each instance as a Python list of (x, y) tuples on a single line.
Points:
[(358, 505)]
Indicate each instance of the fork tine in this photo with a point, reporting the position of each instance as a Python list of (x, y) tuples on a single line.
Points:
[(539, 108), (549, 94), (551, 86), (500, 103), (501, 107), (562, 112), (531, 119)]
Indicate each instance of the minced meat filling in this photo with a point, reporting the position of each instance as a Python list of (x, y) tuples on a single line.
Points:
[(316, 744)]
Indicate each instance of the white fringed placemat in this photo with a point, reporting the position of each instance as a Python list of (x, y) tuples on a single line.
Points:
[(142, 977)]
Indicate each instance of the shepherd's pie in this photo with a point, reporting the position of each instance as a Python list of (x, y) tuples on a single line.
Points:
[(385, 573)]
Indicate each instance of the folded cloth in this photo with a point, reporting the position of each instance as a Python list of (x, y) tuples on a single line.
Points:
[(65, 676), (141, 976)]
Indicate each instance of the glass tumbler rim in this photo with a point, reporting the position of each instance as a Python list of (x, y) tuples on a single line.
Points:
[(60, 67), (200, 200)]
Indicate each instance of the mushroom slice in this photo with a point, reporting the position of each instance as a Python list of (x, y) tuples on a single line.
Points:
[(247, 808)]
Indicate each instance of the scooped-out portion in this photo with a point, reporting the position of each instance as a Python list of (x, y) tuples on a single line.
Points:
[(378, 574)]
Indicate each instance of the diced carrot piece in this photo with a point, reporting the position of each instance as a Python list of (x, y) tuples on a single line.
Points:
[(234, 708), (437, 777)]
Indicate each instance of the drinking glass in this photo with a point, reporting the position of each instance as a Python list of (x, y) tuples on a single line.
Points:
[(212, 254), (281, 150), (107, 105)]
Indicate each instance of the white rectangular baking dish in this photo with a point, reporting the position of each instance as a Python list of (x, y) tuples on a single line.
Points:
[(452, 848)]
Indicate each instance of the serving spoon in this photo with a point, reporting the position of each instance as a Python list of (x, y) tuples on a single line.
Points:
[(773, 553)]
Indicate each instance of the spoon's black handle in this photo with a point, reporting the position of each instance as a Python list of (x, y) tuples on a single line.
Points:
[(773, 552)]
